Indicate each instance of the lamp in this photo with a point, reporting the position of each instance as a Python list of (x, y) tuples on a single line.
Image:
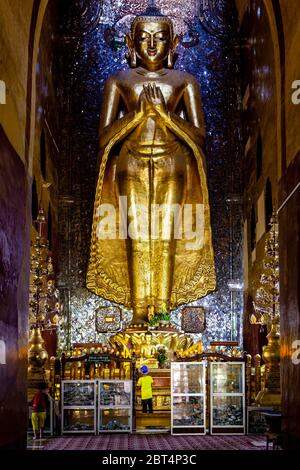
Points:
[(44, 306), (267, 313)]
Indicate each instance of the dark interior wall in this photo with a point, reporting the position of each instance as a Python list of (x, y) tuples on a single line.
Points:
[(258, 83), (14, 271), (289, 230), (15, 203), (287, 34)]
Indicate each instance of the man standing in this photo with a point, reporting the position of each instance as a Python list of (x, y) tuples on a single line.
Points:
[(40, 402)]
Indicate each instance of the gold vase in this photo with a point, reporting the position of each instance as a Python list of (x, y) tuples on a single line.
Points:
[(37, 354), (37, 358), (270, 394)]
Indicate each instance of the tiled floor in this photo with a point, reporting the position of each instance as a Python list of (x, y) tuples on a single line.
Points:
[(36, 444), (151, 442)]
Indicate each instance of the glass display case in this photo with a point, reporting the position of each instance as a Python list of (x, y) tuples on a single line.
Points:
[(78, 420), (114, 406), (256, 421), (227, 398), (188, 398), (78, 406)]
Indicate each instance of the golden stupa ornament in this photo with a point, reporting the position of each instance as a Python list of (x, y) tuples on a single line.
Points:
[(37, 354), (37, 358), (152, 189), (44, 307), (267, 313), (270, 395)]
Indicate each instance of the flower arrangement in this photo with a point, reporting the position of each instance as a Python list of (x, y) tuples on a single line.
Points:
[(161, 356)]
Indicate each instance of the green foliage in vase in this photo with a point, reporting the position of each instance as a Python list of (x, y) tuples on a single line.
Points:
[(161, 356), (164, 315)]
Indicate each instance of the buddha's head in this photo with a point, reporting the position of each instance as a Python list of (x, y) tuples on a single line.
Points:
[(152, 41), (148, 338)]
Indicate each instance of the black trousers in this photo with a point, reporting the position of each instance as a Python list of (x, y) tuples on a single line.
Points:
[(147, 405)]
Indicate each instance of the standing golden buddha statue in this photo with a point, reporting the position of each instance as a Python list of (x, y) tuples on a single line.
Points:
[(152, 190)]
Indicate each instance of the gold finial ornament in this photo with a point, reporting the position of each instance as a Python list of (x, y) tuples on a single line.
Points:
[(37, 358), (37, 355), (270, 395)]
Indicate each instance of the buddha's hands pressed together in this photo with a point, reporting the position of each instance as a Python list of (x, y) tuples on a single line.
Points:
[(145, 106), (155, 99)]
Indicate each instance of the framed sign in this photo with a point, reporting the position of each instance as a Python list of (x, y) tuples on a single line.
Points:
[(108, 319), (193, 319), (104, 359)]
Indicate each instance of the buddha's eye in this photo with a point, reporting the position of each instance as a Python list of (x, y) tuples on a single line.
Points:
[(161, 37), (143, 37)]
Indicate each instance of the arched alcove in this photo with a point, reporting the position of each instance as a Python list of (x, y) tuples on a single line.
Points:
[(34, 201), (253, 229), (43, 154), (259, 156), (268, 204), (49, 228)]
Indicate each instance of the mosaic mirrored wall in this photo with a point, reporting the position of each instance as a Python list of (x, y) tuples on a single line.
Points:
[(92, 48)]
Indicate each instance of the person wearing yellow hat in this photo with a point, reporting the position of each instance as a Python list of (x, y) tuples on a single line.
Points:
[(145, 382)]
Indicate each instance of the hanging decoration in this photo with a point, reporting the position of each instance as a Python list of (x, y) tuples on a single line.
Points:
[(266, 303), (44, 306)]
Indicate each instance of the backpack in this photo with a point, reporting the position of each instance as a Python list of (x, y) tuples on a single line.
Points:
[(38, 402)]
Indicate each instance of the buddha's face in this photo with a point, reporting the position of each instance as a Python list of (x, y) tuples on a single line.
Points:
[(152, 42), (148, 339)]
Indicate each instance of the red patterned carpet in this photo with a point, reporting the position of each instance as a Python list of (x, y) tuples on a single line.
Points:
[(156, 442)]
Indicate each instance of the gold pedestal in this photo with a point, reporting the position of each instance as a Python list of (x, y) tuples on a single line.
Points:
[(270, 394), (134, 340), (150, 363)]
